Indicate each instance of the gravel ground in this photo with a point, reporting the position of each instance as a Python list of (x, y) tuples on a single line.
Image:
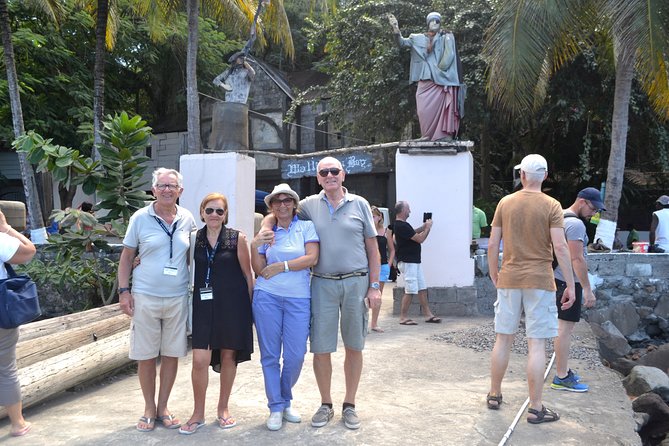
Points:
[(482, 338)]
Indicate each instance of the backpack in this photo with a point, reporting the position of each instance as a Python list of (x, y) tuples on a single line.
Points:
[(566, 214)]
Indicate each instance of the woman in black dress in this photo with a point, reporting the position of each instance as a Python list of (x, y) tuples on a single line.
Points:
[(222, 319)]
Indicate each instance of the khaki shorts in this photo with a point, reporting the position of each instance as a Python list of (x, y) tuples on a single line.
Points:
[(328, 298), (158, 327), (540, 312)]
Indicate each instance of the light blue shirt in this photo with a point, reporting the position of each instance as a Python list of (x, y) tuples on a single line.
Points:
[(288, 244)]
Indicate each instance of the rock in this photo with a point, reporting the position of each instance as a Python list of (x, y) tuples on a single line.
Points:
[(641, 419), (658, 358), (644, 379), (662, 307), (663, 392), (658, 412), (638, 336), (612, 344), (625, 317)]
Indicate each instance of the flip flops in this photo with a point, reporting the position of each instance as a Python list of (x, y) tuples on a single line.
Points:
[(226, 423), (545, 415), (408, 322), (434, 320), (169, 421), (189, 429), (151, 422), (21, 432)]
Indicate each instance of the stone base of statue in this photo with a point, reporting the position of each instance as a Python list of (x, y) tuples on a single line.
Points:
[(229, 127)]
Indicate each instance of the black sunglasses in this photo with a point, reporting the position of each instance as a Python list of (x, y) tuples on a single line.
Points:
[(333, 170), (285, 201), (219, 211)]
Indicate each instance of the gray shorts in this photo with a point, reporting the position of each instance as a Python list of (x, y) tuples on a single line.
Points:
[(540, 312), (158, 327), (328, 298)]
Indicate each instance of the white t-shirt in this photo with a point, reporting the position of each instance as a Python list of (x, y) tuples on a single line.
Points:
[(662, 230), (8, 247)]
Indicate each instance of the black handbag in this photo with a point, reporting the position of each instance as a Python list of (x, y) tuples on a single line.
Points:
[(19, 303)]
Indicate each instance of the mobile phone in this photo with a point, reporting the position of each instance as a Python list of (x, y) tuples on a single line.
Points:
[(427, 216)]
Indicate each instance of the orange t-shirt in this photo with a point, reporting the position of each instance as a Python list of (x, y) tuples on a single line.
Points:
[(526, 219)]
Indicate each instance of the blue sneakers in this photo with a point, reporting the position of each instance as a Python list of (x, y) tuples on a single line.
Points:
[(569, 383)]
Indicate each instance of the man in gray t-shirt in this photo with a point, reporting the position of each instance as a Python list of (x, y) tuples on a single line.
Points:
[(345, 280), (588, 202)]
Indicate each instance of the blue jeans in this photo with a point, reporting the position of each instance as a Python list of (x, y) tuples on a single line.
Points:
[(282, 323)]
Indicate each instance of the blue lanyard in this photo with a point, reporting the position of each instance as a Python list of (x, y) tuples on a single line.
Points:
[(169, 234), (210, 256)]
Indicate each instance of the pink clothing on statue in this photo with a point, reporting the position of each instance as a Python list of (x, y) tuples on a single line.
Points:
[(437, 108)]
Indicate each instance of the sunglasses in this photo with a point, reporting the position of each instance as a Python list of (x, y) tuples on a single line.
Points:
[(333, 170), (219, 211), (285, 202)]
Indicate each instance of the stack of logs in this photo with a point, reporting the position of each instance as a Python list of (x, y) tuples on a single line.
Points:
[(57, 354)]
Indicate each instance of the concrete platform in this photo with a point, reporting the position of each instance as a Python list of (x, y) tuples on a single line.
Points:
[(414, 390)]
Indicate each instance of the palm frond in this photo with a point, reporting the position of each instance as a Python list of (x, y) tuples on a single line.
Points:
[(54, 9), (639, 25), (527, 41)]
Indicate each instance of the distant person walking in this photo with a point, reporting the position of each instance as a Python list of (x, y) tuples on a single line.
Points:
[(588, 203), (479, 222), (531, 225), (409, 263)]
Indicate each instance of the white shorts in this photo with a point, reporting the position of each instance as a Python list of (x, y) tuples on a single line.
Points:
[(541, 320), (414, 281)]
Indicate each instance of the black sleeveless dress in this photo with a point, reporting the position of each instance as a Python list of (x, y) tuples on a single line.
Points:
[(224, 322)]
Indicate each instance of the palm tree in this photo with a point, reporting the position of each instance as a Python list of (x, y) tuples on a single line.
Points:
[(53, 9), (529, 41)]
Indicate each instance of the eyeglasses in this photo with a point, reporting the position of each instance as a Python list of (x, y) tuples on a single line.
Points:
[(285, 202), (167, 186), (219, 211), (592, 208), (333, 170)]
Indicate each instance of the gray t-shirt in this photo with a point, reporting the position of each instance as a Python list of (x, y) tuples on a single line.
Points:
[(145, 234), (342, 232), (574, 229)]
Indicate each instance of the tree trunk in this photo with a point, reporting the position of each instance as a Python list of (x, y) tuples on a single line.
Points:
[(48, 327), (99, 74), (192, 98), (619, 126), (27, 174)]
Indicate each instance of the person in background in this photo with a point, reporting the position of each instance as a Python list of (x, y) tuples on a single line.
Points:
[(387, 252), (222, 320), (659, 226), (282, 258), (588, 203), (158, 303), (15, 248), (532, 226), (479, 221)]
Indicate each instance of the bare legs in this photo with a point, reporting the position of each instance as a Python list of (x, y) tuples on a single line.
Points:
[(200, 379), (147, 371), (14, 411), (352, 372), (422, 299), (565, 329)]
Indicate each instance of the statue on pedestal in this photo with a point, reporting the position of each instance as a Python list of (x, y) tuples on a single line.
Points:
[(236, 79)]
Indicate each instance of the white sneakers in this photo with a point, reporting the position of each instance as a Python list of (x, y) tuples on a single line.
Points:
[(291, 415), (275, 421)]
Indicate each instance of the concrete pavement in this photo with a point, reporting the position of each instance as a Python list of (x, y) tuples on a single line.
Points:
[(413, 390)]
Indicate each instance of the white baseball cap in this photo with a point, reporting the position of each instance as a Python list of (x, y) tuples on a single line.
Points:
[(533, 163)]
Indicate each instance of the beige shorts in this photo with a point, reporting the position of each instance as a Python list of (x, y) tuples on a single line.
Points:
[(540, 312), (158, 327)]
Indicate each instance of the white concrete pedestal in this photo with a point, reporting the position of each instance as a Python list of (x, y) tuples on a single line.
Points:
[(231, 174)]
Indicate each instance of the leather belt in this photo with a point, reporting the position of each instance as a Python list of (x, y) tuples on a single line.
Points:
[(340, 276)]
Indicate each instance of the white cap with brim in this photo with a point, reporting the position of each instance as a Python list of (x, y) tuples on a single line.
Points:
[(533, 163), (282, 188)]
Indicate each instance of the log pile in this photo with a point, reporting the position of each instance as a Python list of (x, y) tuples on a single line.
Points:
[(56, 354)]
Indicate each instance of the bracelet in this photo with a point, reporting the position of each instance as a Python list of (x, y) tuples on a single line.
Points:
[(285, 266), (9, 228)]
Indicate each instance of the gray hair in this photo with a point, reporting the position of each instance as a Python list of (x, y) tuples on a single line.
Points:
[(535, 177), (330, 159), (399, 207), (163, 171)]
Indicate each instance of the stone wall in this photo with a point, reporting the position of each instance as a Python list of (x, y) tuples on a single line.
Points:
[(632, 292)]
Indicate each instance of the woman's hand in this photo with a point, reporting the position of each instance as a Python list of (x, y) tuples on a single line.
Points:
[(263, 237), (272, 270)]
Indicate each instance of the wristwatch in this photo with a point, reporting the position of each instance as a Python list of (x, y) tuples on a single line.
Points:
[(123, 290), (375, 285)]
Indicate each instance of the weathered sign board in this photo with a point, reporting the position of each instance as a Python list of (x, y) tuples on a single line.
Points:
[(306, 167)]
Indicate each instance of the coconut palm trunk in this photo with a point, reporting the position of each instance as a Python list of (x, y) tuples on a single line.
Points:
[(27, 174), (102, 16), (192, 99)]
